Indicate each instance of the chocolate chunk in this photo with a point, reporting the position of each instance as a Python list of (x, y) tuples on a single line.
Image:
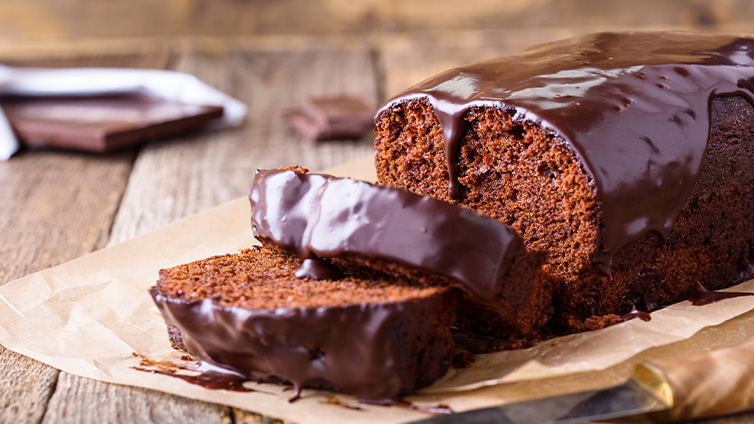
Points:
[(332, 118), (101, 124)]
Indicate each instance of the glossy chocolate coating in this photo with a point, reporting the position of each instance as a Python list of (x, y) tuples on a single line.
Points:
[(633, 106), (319, 216), (351, 347)]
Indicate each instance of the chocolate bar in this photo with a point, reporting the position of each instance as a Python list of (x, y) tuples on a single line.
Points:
[(332, 118), (101, 124)]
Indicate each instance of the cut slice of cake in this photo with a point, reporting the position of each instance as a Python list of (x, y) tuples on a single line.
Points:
[(426, 240), (366, 334)]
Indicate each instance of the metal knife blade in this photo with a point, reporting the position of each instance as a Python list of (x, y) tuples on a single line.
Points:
[(715, 383), (627, 399)]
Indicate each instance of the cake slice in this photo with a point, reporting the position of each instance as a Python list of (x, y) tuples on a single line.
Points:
[(366, 334), (627, 157), (435, 243)]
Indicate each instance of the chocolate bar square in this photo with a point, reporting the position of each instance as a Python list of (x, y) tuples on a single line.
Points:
[(332, 118), (101, 124)]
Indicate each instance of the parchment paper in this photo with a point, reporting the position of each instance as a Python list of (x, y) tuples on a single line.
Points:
[(88, 316)]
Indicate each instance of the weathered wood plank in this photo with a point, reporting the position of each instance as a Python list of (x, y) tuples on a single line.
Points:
[(78, 400), (55, 206), (25, 388), (49, 19), (154, 57)]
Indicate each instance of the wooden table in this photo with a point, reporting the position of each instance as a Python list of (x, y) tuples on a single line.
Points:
[(58, 205)]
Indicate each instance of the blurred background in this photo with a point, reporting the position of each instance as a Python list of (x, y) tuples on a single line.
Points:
[(453, 31), (84, 19)]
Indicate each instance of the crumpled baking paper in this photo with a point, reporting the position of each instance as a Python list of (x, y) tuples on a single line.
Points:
[(89, 316)]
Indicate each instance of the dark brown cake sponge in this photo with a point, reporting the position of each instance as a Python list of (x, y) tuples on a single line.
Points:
[(508, 167), (366, 334)]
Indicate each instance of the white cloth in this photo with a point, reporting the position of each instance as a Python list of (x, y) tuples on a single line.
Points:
[(168, 85)]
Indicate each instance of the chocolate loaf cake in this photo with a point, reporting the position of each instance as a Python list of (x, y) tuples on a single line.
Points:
[(426, 240), (628, 157), (366, 333)]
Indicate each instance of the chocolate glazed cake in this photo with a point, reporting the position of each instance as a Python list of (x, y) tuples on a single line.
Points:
[(628, 157), (365, 333), (426, 240)]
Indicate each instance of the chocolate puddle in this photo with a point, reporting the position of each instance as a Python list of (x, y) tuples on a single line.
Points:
[(438, 409), (208, 379), (209, 376), (697, 295), (216, 378), (336, 402), (700, 296)]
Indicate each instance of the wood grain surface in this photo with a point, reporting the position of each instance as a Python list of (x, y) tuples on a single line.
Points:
[(59, 205), (55, 206), (49, 19)]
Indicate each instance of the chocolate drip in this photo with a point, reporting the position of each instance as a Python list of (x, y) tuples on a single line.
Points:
[(209, 379), (320, 216), (633, 106), (699, 295), (209, 376), (214, 380), (318, 269), (453, 121), (635, 313)]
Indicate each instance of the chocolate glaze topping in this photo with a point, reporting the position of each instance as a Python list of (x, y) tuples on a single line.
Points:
[(208, 376), (319, 216), (358, 358), (633, 106)]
